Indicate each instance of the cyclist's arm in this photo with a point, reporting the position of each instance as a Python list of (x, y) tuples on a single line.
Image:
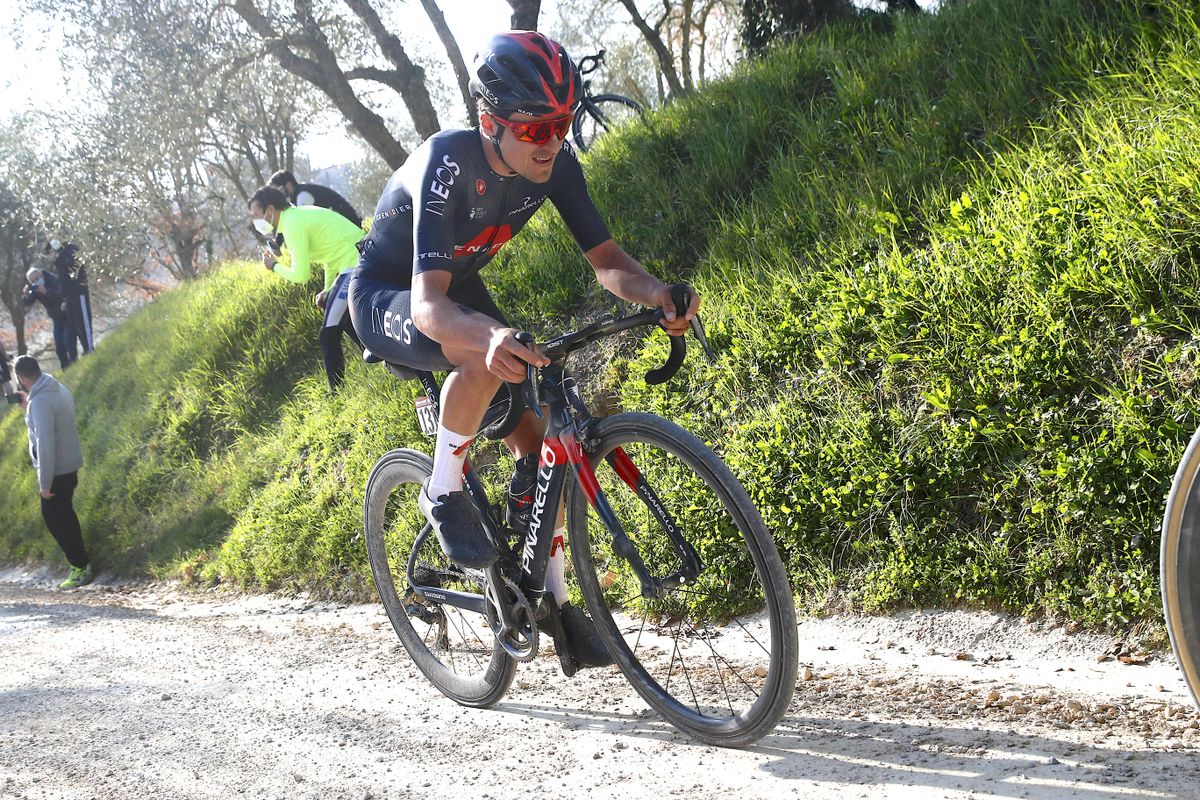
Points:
[(625, 277), (305, 198), (296, 236)]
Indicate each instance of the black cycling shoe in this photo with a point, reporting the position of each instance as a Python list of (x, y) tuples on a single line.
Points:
[(586, 648), (458, 530)]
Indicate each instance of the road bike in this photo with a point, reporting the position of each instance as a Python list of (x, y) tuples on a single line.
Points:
[(676, 567), (1180, 565), (599, 113)]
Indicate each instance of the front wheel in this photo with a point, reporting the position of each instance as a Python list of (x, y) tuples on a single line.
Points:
[(1180, 562), (453, 647), (716, 656), (600, 114)]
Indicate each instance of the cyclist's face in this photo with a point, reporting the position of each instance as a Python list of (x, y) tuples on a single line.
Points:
[(532, 161)]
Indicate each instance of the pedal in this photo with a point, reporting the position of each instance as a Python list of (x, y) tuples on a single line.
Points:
[(551, 623)]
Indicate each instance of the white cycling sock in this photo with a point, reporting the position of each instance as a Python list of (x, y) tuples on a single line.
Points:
[(448, 456), (556, 567)]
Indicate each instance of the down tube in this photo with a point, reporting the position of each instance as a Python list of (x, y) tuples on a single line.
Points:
[(547, 499)]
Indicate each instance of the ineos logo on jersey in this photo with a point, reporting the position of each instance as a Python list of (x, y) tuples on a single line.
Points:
[(439, 187), (549, 459), (393, 326), (528, 204)]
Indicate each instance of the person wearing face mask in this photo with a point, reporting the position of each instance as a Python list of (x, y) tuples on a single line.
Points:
[(312, 235), (417, 297), (43, 286)]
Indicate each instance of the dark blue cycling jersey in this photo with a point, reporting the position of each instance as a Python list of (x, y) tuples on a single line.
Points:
[(446, 209)]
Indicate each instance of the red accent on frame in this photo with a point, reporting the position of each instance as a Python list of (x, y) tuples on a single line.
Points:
[(626, 469), (553, 454), (587, 478)]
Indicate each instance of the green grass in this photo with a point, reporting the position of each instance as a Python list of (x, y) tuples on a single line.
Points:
[(950, 268)]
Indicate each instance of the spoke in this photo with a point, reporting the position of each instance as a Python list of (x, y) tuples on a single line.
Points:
[(683, 666), (729, 664)]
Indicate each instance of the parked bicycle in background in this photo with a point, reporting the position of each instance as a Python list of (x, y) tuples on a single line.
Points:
[(600, 113)]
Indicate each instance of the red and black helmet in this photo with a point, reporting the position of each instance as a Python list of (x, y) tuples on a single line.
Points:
[(528, 73)]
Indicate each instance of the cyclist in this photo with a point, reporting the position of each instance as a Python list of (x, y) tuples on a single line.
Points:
[(417, 298), (313, 234), (313, 194)]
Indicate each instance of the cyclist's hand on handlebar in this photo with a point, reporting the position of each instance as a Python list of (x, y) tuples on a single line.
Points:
[(675, 320), (506, 357)]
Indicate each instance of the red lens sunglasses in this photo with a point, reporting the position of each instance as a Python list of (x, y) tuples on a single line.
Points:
[(537, 131)]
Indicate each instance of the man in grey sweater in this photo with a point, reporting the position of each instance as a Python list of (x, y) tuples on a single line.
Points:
[(57, 457)]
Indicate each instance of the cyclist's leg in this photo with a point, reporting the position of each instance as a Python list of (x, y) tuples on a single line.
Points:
[(382, 317)]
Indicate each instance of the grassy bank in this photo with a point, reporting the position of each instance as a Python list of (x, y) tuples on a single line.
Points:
[(950, 267)]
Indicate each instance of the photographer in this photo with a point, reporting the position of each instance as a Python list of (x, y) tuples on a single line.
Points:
[(42, 286)]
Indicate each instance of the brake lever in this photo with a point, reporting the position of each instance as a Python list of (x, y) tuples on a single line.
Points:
[(529, 388)]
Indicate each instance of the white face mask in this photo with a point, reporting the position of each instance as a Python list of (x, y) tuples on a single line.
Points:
[(263, 227)]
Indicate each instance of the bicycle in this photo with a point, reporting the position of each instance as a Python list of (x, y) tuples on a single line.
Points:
[(590, 119), (680, 575), (1180, 566)]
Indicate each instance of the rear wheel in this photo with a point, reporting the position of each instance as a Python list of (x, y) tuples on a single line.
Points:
[(453, 647), (600, 114), (717, 656), (1180, 562)]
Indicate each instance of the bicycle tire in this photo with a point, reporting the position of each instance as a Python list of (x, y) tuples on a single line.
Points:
[(591, 120), (450, 651), (1180, 566), (742, 563)]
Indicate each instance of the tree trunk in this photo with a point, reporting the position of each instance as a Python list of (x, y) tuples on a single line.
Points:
[(454, 53), (323, 71), (685, 46), (666, 65), (525, 14), (410, 78)]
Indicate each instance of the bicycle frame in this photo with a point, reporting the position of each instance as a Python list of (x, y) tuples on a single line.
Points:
[(561, 452)]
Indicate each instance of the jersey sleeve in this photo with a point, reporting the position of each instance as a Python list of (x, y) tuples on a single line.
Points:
[(570, 196), (436, 196), (296, 237)]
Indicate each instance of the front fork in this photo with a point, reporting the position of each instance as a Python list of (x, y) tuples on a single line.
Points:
[(652, 586)]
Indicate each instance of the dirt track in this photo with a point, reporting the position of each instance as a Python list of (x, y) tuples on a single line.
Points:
[(141, 692)]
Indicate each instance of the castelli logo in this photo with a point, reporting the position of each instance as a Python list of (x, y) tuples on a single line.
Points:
[(480, 186)]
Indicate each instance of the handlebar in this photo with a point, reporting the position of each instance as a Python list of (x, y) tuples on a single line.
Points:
[(558, 348), (589, 64)]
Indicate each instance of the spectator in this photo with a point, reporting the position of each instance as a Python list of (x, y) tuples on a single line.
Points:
[(44, 287), (313, 194), (313, 234), (6, 378), (57, 457), (73, 280)]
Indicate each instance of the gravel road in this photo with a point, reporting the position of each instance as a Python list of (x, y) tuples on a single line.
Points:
[(145, 692)]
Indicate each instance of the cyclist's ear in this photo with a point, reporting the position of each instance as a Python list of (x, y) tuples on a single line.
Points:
[(487, 124)]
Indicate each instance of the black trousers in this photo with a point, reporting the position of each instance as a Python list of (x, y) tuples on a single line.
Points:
[(61, 519)]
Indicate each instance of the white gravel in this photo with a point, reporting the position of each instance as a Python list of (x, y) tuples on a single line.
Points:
[(141, 691)]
